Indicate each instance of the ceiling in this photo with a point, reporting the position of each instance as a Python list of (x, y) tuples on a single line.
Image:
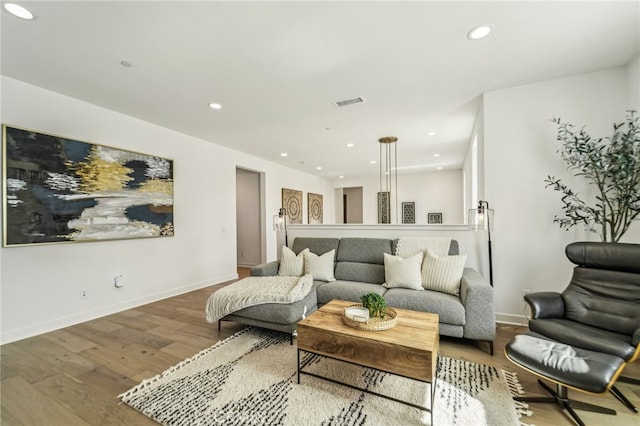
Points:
[(277, 68)]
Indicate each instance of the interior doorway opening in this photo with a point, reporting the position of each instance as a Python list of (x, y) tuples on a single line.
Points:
[(352, 211), (250, 217)]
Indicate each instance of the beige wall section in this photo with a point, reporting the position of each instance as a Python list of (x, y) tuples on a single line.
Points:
[(248, 220), (354, 204)]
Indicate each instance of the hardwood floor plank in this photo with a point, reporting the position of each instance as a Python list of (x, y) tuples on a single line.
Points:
[(17, 362), (31, 407), (63, 359), (69, 341)]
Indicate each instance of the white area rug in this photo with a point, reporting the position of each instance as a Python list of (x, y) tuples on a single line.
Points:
[(250, 379)]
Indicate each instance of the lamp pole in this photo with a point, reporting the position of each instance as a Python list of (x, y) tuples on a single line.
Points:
[(282, 213), (483, 208)]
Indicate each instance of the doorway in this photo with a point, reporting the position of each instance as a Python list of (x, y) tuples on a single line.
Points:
[(250, 238), (352, 205)]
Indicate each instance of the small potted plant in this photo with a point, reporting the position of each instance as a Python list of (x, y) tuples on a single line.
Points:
[(375, 303)]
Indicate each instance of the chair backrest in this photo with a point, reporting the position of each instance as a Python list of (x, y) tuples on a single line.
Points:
[(604, 291)]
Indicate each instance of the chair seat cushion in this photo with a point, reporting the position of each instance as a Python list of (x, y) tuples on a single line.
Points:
[(584, 336), (574, 367)]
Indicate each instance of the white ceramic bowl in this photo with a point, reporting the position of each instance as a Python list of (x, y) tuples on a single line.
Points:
[(357, 313)]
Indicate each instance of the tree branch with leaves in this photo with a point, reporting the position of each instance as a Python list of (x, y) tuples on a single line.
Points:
[(612, 164)]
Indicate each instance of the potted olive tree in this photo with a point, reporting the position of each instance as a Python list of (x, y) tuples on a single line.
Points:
[(612, 165)]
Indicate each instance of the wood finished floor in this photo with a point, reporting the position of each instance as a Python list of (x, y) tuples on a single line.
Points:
[(72, 376)]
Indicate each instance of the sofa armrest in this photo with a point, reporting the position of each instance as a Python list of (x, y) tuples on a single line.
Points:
[(265, 269), (545, 304), (477, 297)]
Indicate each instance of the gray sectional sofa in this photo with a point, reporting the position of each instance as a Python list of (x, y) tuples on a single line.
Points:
[(359, 269)]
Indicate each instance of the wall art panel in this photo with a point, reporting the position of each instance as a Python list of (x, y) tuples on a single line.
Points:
[(63, 190), (292, 203)]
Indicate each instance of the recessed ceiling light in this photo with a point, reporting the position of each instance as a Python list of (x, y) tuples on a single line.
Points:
[(214, 105), (19, 11), (439, 168), (349, 145), (283, 154), (372, 162), (340, 177), (319, 168), (432, 133), (479, 32), (436, 155)]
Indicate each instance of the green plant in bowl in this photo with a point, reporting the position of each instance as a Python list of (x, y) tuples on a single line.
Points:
[(375, 303)]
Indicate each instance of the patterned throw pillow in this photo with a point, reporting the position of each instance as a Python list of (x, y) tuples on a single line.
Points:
[(403, 272), (290, 264), (321, 267), (443, 273)]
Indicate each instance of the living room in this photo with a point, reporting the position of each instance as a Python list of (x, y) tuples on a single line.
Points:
[(41, 284)]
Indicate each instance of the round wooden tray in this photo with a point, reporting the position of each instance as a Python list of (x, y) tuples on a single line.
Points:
[(373, 324)]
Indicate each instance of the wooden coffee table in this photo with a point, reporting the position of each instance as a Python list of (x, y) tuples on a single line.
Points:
[(410, 349)]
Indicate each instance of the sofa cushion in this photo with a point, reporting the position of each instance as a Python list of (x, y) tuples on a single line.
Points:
[(363, 272), (364, 250), (281, 313), (443, 273), (290, 264), (346, 290), (315, 245), (320, 267), (449, 307), (403, 272)]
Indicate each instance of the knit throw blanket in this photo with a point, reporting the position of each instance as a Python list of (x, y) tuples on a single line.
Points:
[(254, 291), (408, 246)]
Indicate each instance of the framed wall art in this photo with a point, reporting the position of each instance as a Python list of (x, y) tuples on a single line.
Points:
[(58, 190), (409, 212), (314, 209), (434, 217), (384, 213), (292, 203)]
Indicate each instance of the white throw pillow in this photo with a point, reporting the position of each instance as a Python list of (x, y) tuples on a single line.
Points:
[(403, 272), (290, 264), (321, 267), (443, 273)]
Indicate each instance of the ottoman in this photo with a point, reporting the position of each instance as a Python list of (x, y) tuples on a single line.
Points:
[(566, 366)]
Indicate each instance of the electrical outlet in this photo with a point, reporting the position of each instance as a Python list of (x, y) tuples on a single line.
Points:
[(84, 294)]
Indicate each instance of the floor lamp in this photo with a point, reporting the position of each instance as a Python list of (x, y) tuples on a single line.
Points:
[(280, 223), (481, 219)]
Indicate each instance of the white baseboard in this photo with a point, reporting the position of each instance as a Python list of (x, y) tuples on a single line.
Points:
[(77, 318), (512, 319)]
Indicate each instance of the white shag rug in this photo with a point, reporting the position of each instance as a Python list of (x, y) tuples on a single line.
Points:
[(250, 379)]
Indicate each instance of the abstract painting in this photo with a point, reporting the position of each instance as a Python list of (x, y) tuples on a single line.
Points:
[(384, 213), (314, 208), (63, 190), (409, 212), (292, 203)]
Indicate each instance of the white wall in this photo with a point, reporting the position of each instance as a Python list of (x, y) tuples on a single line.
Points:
[(41, 284), (433, 192), (520, 151)]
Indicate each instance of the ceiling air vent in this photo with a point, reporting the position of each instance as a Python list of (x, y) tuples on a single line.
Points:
[(348, 102)]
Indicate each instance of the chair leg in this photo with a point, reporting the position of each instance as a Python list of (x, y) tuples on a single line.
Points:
[(219, 321), (560, 397), (616, 392)]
